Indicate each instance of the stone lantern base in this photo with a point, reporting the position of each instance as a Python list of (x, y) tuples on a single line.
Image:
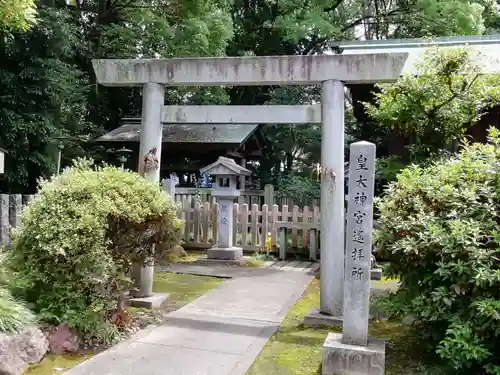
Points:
[(224, 256), (231, 253)]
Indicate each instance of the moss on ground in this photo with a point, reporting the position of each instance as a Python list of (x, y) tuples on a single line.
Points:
[(191, 256), (296, 349), (182, 289), (56, 364)]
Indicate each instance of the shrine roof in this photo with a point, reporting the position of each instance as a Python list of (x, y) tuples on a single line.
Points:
[(185, 133)]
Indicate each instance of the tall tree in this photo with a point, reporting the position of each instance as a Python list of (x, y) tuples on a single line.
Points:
[(447, 98), (17, 15), (42, 93), (51, 89)]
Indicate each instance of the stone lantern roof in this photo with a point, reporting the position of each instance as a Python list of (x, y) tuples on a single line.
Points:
[(225, 167)]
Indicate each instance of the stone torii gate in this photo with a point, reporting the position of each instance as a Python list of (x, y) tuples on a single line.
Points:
[(331, 71)]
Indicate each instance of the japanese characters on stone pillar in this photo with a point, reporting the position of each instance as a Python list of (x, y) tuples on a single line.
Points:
[(226, 174), (359, 243), (225, 223), (353, 352)]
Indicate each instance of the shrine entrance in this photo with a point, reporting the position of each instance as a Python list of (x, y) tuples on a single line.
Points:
[(332, 72)]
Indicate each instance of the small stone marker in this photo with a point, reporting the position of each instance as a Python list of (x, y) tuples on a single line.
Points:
[(353, 352)]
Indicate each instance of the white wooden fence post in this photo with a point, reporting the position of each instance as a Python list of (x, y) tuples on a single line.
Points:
[(269, 195)]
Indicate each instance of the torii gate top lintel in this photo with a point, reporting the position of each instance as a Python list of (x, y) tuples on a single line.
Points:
[(251, 70)]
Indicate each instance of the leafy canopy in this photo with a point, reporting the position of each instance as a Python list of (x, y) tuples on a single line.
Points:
[(17, 15), (446, 98)]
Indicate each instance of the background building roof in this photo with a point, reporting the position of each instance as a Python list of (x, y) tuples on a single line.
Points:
[(485, 50)]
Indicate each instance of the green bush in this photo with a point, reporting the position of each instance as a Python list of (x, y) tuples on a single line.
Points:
[(14, 315), (439, 228), (302, 190), (72, 254)]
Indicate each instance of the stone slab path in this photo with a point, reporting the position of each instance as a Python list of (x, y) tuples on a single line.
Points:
[(221, 333), (224, 271)]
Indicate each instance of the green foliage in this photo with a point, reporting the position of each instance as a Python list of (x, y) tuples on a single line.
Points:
[(438, 227), (14, 315), (446, 17), (43, 94), (302, 190), (293, 148), (52, 90), (447, 97), (17, 14), (72, 254), (387, 168)]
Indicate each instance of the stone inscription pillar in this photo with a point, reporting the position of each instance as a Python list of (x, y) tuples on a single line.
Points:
[(353, 352), (359, 243)]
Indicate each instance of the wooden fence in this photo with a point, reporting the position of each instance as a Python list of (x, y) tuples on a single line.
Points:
[(11, 207), (255, 227), (259, 197)]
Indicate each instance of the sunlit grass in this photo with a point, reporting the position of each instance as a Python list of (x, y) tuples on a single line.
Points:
[(297, 350)]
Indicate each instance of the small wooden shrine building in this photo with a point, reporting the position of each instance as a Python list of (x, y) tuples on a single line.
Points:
[(186, 148)]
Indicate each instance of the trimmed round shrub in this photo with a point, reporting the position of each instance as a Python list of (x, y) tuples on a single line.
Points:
[(439, 227), (71, 256)]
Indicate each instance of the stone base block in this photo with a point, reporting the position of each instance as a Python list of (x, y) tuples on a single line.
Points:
[(315, 318), (226, 262), (343, 359), (376, 273), (152, 302), (231, 253)]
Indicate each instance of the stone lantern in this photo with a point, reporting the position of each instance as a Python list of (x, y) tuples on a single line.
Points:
[(2, 160), (226, 175)]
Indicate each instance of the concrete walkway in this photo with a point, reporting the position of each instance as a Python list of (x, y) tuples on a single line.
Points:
[(221, 333)]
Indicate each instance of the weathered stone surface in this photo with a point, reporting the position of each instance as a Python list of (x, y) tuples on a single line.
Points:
[(152, 302), (63, 339), (376, 274), (316, 319), (251, 70), (203, 260), (19, 350), (177, 251), (232, 253), (332, 199), (359, 243), (242, 114), (340, 358)]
